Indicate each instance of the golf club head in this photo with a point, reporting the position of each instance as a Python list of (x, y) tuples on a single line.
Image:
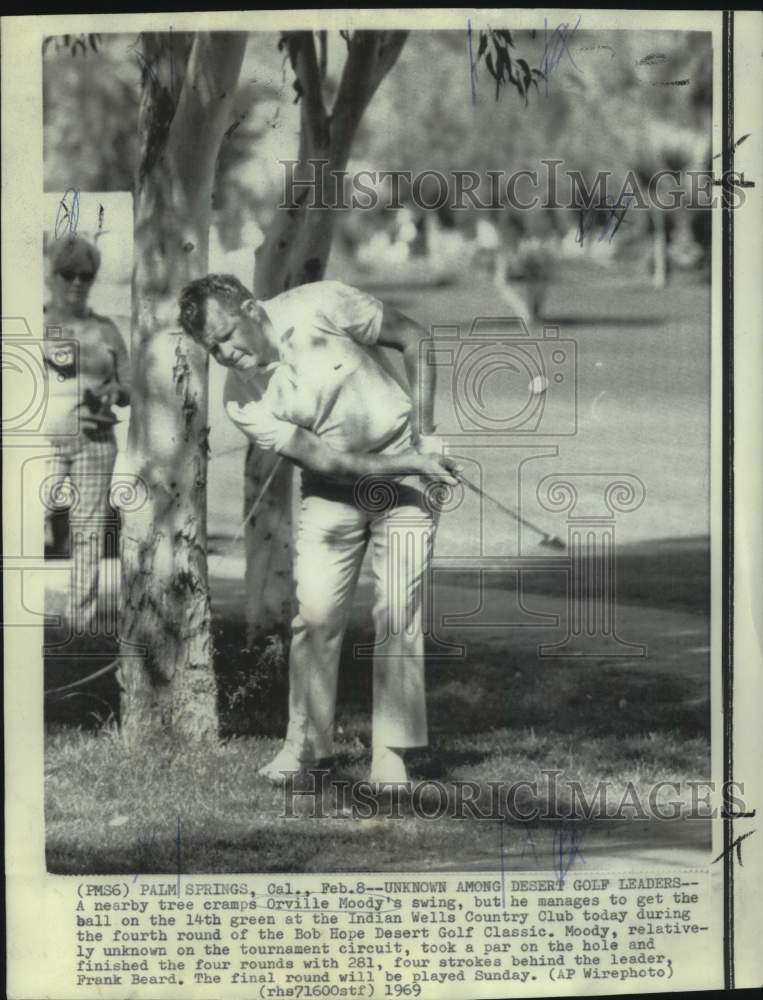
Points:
[(552, 542)]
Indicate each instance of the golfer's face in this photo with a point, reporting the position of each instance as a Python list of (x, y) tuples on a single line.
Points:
[(229, 337)]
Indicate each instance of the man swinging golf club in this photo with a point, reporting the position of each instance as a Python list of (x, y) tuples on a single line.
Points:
[(307, 378)]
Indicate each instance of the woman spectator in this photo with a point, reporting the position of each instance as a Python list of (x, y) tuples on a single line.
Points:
[(89, 373)]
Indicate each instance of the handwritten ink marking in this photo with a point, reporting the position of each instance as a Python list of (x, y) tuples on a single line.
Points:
[(566, 850), (503, 870), (67, 216), (177, 852), (146, 841), (614, 223), (555, 47), (587, 222), (530, 842), (472, 67), (735, 146), (734, 845), (732, 180)]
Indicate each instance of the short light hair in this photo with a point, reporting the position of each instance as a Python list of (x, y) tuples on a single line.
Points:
[(74, 252), (226, 288)]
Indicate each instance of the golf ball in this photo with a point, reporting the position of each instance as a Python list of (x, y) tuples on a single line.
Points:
[(538, 385)]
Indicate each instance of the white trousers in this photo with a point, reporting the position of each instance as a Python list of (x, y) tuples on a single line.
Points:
[(331, 540)]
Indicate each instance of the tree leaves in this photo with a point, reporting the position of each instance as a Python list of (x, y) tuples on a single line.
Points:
[(74, 43), (505, 37), (505, 69)]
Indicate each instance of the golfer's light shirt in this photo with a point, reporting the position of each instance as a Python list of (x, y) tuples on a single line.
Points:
[(331, 379)]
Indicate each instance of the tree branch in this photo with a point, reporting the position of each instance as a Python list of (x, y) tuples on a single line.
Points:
[(204, 106), (323, 54), (371, 55), (390, 46), (162, 58), (310, 76)]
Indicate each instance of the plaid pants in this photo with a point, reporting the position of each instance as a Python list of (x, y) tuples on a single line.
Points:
[(78, 479)]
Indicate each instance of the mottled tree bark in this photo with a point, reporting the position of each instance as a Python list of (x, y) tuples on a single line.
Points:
[(659, 248), (166, 672), (296, 250)]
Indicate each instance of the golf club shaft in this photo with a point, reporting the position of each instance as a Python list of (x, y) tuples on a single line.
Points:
[(249, 514), (506, 510)]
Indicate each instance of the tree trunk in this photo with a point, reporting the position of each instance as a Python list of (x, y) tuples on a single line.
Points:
[(659, 248), (166, 670), (295, 251)]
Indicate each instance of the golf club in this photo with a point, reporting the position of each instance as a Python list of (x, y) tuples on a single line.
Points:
[(547, 539)]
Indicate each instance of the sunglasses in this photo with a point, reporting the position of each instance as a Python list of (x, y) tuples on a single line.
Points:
[(69, 276)]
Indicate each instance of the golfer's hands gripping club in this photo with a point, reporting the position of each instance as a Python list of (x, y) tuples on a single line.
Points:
[(434, 464), (441, 467)]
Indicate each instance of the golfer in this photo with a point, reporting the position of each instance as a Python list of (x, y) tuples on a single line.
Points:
[(307, 379)]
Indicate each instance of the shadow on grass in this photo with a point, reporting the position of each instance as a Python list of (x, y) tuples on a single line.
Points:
[(603, 320), (671, 574), (559, 849), (68, 662), (501, 683), (597, 698)]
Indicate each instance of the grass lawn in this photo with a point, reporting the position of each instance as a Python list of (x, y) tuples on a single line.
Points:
[(114, 807), (501, 713)]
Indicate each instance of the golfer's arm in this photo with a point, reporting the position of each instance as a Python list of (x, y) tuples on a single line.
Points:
[(310, 452), (404, 334)]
